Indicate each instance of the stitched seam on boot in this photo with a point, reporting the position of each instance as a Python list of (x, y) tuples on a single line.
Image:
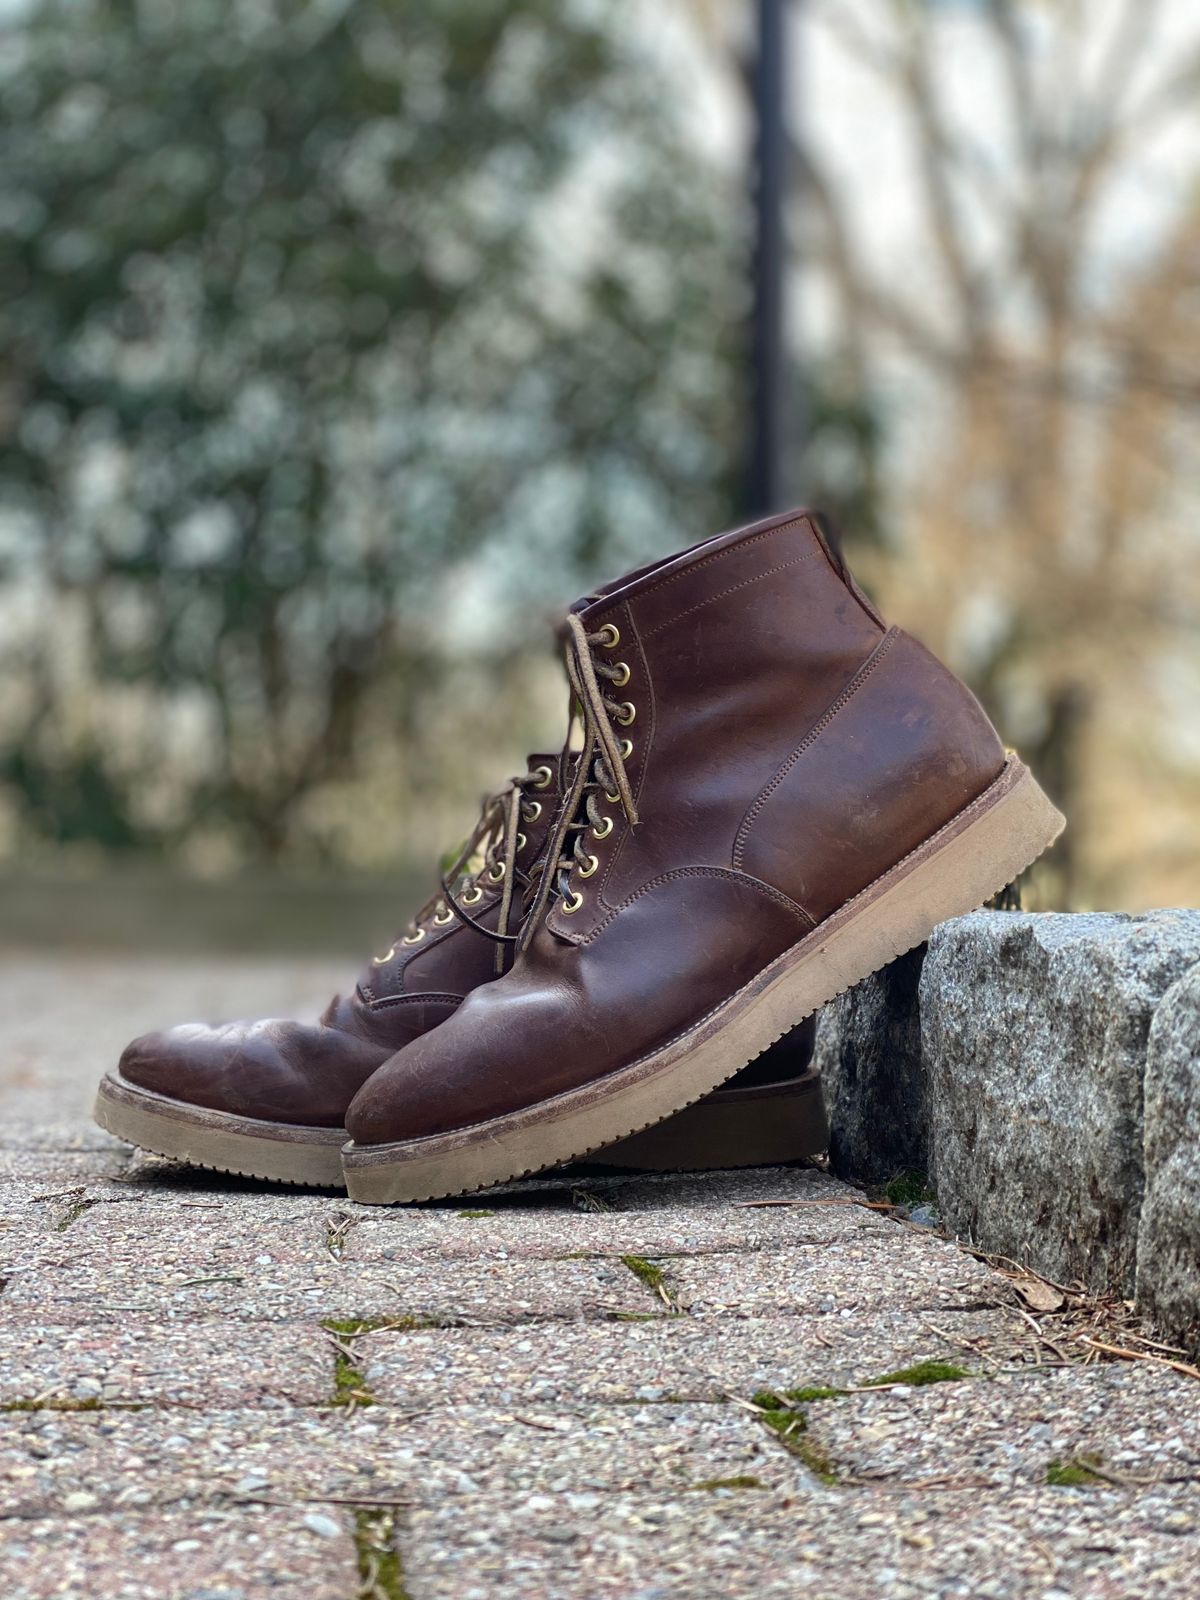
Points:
[(979, 803), (777, 895), (395, 1001), (719, 555), (839, 704), (809, 555)]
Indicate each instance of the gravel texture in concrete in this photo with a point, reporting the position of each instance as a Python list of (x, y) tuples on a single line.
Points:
[(579, 1393)]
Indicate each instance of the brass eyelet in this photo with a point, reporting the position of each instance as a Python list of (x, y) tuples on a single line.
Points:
[(382, 961), (626, 748), (531, 810), (440, 921), (571, 904), (592, 863), (627, 713), (542, 777), (599, 832), (413, 938), (610, 636), (621, 676), (522, 841), (472, 896), (611, 798), (496, 872)]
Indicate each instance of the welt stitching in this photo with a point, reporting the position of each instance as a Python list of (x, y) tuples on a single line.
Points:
[(809, 555), (785, 902), (814, 733)]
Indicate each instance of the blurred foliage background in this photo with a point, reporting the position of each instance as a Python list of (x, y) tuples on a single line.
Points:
[(343, 342)]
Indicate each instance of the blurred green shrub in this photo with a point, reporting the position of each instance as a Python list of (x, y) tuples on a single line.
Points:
[(343, 336)]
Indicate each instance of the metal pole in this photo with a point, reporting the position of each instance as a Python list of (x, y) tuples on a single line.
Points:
[(768, 363)]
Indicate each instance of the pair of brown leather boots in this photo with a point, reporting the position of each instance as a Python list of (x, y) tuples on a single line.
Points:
[(775, 795)]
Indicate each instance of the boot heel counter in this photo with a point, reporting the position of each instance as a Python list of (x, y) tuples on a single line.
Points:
[(903, 749), (966, 726)]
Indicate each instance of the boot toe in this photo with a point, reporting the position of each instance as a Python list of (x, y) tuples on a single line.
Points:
[(275, 1071), (183, 1063)]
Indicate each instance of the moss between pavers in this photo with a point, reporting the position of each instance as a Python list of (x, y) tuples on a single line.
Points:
[(790, 1423), (66, 1405), (783, 1412), (473, 1215), (1077, 1473), (379, 1564), (349, 1385), (650, 1273), (918, 1375), (655, 1279)]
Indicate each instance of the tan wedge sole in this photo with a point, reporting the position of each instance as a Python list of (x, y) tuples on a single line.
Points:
[(969, 859), (758, 1126), (219, 1140)]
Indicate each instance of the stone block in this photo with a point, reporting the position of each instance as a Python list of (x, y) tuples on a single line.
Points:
[(1168, 1267)]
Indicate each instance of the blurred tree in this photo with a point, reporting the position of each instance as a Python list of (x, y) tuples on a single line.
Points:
[(1047, 544), (326, 317)]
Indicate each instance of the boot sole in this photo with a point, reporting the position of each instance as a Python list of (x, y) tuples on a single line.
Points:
[(753, 1127), (759, 1126), (218, 1140), (987, 845)]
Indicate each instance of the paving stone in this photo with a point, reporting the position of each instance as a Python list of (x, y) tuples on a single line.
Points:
[(1048, 1544), (682, 1357), (248, 1554), (657, 1191), (1138, 1420), (901, 1269), (541, 1446), (48, 1132), (122, 1460), (692, 1229), (25, 1220), (141, 1228), (202, 1364), (192, 1272), (62, 1168), (66, 1025)]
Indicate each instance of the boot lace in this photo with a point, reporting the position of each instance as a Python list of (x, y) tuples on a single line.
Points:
[(599, 775), (488, 857)]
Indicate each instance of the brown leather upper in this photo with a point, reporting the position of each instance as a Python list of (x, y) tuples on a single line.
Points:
[(306, 1074), (787, 748)]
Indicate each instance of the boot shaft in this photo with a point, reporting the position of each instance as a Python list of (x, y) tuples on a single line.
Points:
[(774, 725)]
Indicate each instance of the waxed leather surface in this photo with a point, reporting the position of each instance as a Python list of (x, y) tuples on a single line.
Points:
[(774, 776), (565, 1014), (306, 1074)]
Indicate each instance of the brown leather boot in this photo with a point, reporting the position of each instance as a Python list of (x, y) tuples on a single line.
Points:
[(778, 794), (268, 1099)]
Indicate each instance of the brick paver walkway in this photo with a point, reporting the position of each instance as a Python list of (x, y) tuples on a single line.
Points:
[(220, 1390)]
